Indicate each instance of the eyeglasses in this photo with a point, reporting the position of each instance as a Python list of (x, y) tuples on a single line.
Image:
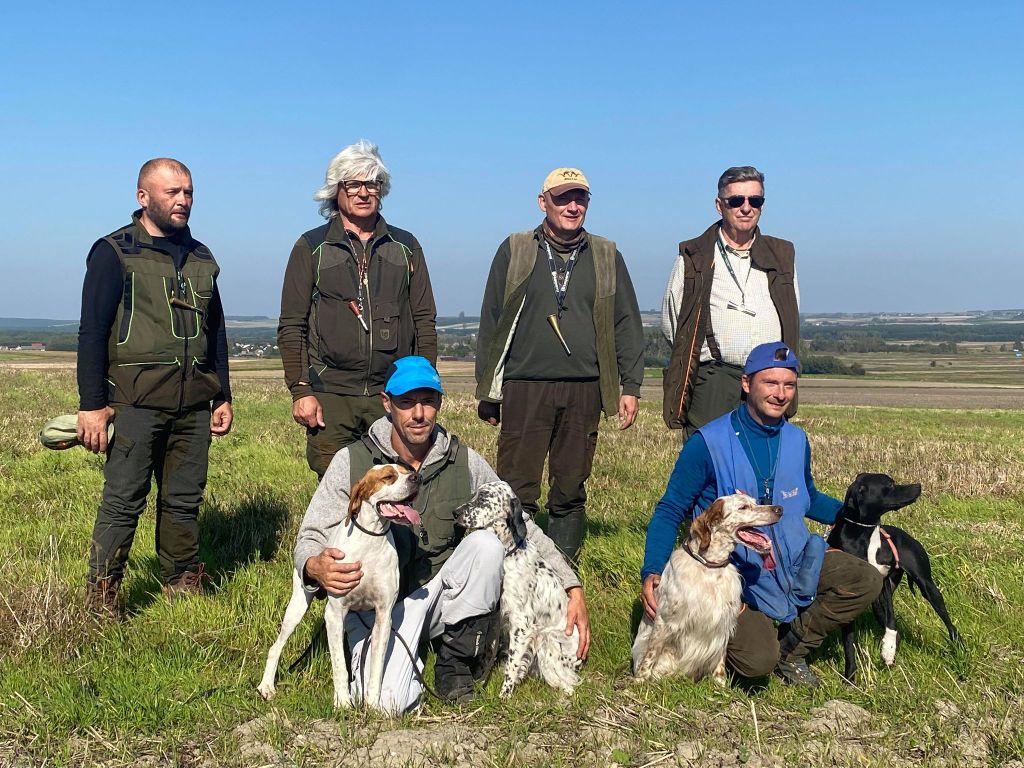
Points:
[(736, 201), (352, 186)]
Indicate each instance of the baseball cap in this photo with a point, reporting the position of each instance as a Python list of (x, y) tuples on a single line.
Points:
[(774, 354), (412, 372), (563, 179), (62, 432)]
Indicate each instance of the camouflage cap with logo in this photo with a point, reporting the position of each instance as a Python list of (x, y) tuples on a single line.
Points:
[(62, 432), (563, 179)]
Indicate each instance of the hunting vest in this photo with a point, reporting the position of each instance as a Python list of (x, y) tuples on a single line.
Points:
[(525, 250), (343, 357), (446, 485), (158, 353), (774, 256)]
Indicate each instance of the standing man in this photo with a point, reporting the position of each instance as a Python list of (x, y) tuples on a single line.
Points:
[(801, 593), (152, 355), (730, 289), (450, 584), (356, 298), (560, 333)]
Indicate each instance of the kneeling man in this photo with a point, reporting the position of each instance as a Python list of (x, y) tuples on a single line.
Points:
[(792, 604), (450, 584)]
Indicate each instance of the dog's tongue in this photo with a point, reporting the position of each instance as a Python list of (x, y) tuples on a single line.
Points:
[(758, 542), (401, 510)]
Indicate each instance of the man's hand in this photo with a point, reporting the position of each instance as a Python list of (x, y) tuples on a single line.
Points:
[(628, 405), (221, 419), (337, 577), (576, 616), (489, 412), (307, 412), (648, 595), (92, 428)]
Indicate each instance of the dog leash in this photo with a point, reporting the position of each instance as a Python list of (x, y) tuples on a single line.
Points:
[(412, 658), (881, 532)]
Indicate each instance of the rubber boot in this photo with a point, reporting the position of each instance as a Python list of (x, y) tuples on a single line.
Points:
[(792, 665), (566, 531), (465, 655)]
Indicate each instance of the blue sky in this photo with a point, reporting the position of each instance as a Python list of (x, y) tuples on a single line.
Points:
[(890, 135)]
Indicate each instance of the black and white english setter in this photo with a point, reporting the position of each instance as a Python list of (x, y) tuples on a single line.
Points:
[(533, 602), (698, 598)]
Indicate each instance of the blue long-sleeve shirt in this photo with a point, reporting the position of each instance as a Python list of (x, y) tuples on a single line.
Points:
[(693, 483)]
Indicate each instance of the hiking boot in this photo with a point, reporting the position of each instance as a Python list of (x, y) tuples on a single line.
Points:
[(101, 598), (465, 656), (796, 672), (185, 583)]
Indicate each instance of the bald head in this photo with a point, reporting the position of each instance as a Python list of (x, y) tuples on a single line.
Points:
[(150, 167)]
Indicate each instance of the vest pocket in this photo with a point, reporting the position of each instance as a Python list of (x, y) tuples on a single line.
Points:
[(386, 317)]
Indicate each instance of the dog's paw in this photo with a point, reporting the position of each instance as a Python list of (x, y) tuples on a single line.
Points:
[(889, 647), (266, 691), (342, 701)]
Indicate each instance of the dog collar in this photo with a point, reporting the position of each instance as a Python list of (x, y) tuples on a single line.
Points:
[(854, 522), (701, 560), (371, 533)]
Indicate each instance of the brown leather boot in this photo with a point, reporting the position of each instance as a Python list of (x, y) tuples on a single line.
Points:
[(185, 583), (101, 598)]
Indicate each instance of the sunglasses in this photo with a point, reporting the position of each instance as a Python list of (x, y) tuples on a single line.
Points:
[(352, 186), (736, 201)]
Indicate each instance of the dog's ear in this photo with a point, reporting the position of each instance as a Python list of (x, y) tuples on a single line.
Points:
[(360, 491), (705, 522), (517, 521), (854, 492)]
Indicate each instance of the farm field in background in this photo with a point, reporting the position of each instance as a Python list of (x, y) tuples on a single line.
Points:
[(174, 684)]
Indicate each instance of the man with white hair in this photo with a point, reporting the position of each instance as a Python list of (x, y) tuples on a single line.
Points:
[(356, 298), (730, 289)]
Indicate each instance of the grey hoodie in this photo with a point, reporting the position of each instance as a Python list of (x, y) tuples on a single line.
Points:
[(331, 498)]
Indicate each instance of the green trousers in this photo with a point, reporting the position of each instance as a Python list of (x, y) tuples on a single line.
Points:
[(716, 390), (846, 587), (346, 419), (173, 449)]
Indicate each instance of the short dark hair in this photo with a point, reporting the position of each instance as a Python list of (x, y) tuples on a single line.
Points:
[(162, 162), (739, 173)]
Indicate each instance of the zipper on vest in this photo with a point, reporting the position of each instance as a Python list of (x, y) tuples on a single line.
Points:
[(369, 315), (180, 289)]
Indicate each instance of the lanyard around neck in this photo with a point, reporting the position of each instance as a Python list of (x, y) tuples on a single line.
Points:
[(561, 288), (725, 249), (769, 477)]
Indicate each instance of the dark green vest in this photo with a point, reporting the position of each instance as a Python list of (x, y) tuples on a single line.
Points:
[(446, 486), (524, 248), (158, 353)]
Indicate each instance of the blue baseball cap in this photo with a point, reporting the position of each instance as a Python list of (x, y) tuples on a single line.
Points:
[(413, 372), (774, 354)]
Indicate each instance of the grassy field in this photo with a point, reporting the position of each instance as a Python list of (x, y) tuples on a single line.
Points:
[(174, 683)]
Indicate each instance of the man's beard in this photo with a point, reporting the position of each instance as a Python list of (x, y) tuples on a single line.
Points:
[(162, 218)]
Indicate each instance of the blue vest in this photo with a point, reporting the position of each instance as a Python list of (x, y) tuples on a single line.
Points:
[(798, 553)]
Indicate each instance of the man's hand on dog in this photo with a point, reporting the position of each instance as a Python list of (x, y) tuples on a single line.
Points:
[(308, 412), (92, 428), (647, 595), (577, 616), (333, 573)]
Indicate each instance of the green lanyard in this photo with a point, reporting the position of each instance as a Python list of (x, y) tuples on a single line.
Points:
[(742, 288)]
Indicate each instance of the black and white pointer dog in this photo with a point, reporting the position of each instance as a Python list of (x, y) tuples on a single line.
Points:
[(892, 551)]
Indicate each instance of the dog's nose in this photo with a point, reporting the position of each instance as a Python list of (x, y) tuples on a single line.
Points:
[(415, 477)]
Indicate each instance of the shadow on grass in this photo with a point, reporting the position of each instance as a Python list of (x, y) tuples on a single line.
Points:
[(230, 537)]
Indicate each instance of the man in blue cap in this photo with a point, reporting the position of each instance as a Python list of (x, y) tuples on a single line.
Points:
[(795, 598), (450, 585)]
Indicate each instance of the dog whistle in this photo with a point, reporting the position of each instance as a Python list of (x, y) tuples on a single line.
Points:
[(358, 313), (553, 322), (174, 301)]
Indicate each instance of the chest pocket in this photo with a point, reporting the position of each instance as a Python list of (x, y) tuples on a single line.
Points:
[(386, 322)]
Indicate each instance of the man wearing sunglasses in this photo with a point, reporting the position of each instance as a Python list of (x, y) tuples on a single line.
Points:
[(356, 298), (560, 340), (730, 290)]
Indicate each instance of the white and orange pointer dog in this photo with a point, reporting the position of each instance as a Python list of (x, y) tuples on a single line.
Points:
[(377, 500)]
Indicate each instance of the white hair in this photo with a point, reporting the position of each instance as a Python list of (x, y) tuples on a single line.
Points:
[(356, 161)]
